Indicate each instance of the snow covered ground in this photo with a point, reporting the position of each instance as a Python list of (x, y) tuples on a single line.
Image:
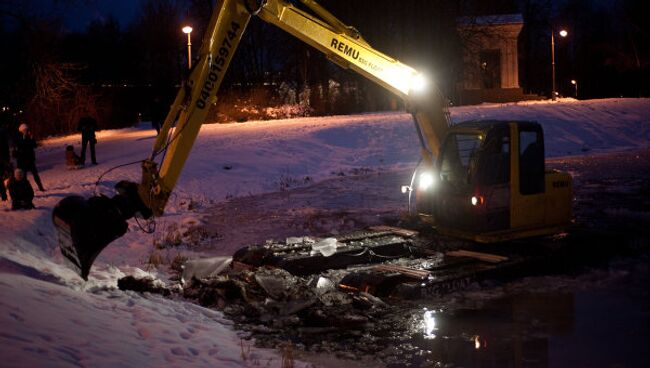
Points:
[(50, 317)]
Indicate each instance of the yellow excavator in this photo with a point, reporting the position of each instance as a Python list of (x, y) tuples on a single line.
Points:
[(481, 180)]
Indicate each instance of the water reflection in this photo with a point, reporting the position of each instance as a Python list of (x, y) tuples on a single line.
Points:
[(519, 330), (429, 321)]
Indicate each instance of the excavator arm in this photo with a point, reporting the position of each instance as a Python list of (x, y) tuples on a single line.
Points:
[(342, 44), (86, 227)]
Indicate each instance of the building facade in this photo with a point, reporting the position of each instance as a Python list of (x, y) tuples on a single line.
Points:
[(490, 59)]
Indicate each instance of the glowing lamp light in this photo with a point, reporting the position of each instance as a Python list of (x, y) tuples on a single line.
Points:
[(426, 181), (418, 83), (573, 81), (477, 200), (564, 33), (187, 29)]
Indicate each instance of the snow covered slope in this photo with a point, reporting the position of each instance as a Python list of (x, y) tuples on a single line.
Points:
[(49, 317)]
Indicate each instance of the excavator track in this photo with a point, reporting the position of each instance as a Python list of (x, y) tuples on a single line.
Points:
[(418, 267)]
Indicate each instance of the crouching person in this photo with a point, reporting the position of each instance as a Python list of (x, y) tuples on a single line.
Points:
[(72, 160), (21, 191)]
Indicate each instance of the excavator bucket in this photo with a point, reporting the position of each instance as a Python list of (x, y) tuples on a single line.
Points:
[(86, 226)]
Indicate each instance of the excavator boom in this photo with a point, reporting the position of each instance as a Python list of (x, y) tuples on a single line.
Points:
[(84, 225)]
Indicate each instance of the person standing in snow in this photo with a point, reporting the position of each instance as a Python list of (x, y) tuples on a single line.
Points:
[(5, 162), (87, 126), (24, 154), (158, 113), (21, 191)]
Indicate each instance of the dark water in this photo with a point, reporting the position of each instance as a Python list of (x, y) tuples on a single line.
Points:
[(600, 318)]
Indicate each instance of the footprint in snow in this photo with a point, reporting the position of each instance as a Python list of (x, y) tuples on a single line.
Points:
[(178, 351), (185, 335)]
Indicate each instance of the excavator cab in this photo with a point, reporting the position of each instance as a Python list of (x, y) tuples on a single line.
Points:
[(491, 184)]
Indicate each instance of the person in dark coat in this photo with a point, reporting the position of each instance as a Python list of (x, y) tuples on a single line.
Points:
[(87, 126), (5, 162), (158, 114), (24, 153), (21, 191)]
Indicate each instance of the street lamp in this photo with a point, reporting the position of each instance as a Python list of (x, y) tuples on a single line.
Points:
[(575, 83), (188, 30), (562, 33)]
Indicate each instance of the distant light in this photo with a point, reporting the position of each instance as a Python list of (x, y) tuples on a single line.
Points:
[(477, 200), (477, 342), (564, 33), (187, 29), (573, 81), (406, 188)]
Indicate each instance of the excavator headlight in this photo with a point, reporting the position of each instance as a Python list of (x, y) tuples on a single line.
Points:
[(426, 181), (418, 83)]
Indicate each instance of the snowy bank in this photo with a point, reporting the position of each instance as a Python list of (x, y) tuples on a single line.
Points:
[(50, 317)]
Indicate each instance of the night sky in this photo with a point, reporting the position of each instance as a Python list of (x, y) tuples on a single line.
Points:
[(78, 14)]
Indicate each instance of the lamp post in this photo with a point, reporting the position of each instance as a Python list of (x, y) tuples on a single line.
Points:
[(562, 33), (188, 30), (575, 83)]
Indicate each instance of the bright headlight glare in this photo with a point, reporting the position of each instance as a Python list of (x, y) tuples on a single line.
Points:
[(418, 83), (426, 181)]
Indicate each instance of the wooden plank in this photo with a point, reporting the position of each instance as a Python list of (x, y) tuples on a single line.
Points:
[(486, 257), (395, 230), (406, 271)]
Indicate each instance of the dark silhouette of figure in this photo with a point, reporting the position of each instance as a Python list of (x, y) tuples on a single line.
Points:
[(24, 153), (88, 126), (21, 191), (158, 114), (5, 162)]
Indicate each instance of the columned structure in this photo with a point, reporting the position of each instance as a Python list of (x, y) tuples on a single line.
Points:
[(490, 59)]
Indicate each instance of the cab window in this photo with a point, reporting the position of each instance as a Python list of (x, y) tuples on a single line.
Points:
[(494, 162), (531, 161), (458, 157)]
